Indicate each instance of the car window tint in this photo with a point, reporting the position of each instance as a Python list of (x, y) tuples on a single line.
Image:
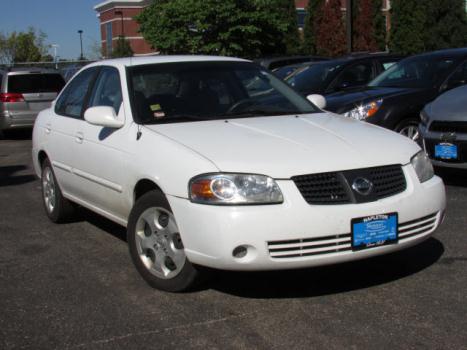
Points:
[(458, 78), (355, 75), (35, 83), (70, 102), (107, 89)]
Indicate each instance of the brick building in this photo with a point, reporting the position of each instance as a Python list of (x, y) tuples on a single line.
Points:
[(116, 18)]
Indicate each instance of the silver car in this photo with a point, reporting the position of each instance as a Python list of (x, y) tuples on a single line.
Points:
[(24, 93), (444, 129)]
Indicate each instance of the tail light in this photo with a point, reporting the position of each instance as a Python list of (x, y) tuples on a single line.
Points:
[(11, 97)]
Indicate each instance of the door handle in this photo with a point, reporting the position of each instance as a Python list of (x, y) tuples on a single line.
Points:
[(79, 137), (48, 128)]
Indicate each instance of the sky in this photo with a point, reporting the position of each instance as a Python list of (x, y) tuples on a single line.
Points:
[(59, 19)]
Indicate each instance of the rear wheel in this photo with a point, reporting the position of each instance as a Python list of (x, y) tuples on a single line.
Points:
[(409, 128), (57, 207), (156, 247)]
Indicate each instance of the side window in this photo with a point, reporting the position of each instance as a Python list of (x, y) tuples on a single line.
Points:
[(458, 78), (107, 90), (355, 75), (70, 102)]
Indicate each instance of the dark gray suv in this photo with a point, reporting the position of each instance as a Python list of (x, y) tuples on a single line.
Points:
[(24, 92)]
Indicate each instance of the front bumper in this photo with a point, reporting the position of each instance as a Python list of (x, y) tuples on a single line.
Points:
[(211, 233), (430, 138)]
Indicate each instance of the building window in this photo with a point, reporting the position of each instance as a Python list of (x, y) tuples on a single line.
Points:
[(108, 38), (301, 13)]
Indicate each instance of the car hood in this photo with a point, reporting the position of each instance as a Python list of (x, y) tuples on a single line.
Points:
[(451, 106), (284, 146), (352, 97)]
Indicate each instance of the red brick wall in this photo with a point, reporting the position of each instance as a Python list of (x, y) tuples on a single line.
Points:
[(130, 29)]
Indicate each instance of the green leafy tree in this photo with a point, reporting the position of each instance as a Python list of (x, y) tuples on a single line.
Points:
[(331, 31), (247, 28), (379, 25), (122, 48), (311, 26), (291, 40), (446, 24), (23, 46), (408, 26)]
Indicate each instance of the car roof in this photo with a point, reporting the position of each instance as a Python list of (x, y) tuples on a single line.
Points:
[(28, 70), (159, 59), (446, 52)]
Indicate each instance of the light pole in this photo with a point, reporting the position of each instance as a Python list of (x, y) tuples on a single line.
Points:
[(120, 13), (80, 32), (55, 47)]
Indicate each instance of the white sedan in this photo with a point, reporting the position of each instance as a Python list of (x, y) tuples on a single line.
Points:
[(212, 161)]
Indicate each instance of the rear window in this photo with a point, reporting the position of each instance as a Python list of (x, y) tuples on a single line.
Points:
[(35, 83)]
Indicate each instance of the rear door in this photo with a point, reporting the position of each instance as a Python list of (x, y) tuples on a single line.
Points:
[(38, 91)]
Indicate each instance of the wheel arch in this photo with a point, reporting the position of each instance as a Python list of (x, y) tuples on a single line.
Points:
[(144, 186), (41, 157)]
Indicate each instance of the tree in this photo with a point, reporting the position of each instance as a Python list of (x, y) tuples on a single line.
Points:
[(369, 29), (379, 24), (291, 40), (122, 48), (23, 46), (363, 28), (311, 26), (331, 32), (408, 20), (246, 28), (446, 24)]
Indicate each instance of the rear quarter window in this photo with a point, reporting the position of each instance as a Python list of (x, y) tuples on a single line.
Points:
[(35, 83)]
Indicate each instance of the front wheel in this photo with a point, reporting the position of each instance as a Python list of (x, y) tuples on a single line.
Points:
[(156, 247), (409, 128)]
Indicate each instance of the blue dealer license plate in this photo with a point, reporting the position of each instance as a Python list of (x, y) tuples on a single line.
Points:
[(374, 231), (446, 151)]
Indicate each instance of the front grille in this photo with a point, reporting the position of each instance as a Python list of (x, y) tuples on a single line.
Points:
[(298, 248), (336, 187), (458, 127), (461, 151)]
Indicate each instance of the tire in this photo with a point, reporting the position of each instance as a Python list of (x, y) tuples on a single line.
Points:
[(155, 245), (58, 208), (409, 128)]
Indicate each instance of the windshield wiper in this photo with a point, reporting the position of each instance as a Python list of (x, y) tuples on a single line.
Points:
[(259, 113), (177, 117)]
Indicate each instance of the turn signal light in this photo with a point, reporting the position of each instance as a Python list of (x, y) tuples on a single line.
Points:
[(11, 97)]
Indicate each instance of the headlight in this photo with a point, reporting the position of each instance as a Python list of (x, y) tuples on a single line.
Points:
[(423, 167), (234, 189), (424, 117), (364, 111)]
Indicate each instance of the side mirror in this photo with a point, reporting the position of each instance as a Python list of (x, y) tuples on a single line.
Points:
[(103, 116), (318, 100)]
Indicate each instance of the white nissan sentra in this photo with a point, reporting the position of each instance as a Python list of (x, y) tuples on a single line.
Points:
[(212, 161)]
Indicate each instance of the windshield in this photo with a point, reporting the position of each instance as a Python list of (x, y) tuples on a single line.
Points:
[(315, 77), (415, 72), (191, 91)]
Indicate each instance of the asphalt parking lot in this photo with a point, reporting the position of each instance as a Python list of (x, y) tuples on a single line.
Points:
[(73, 286)]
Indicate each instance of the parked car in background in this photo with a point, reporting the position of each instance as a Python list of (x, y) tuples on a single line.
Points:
[(204, 171), (274, 63), (395, 98), (340, 74), (443, 129), (24, 92)]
